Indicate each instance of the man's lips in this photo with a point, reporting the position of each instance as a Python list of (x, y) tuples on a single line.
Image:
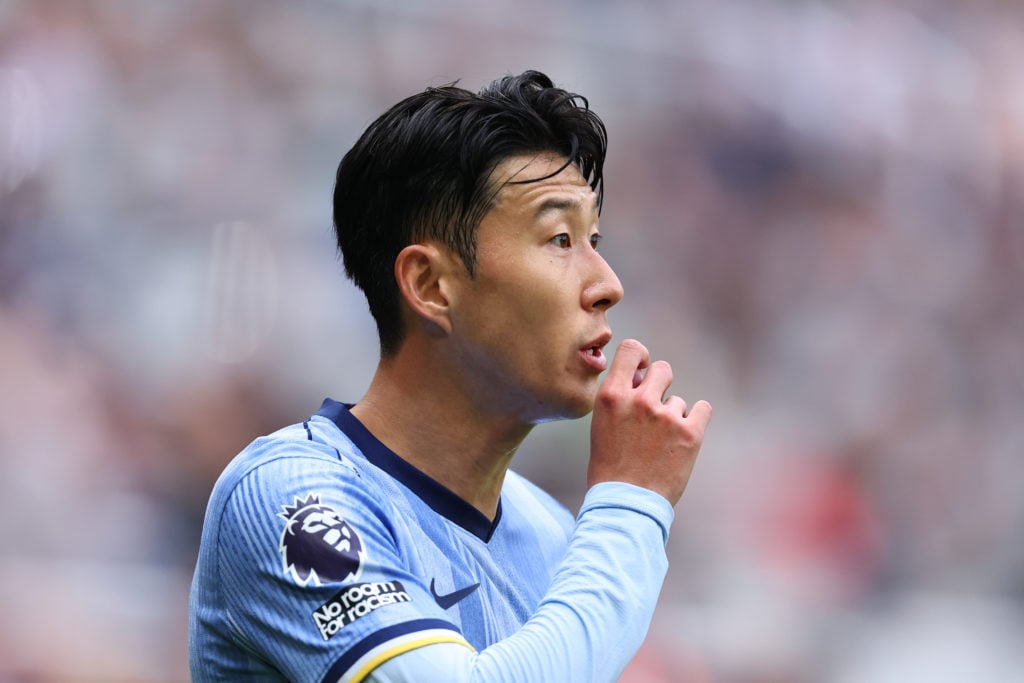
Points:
[(593, 353)]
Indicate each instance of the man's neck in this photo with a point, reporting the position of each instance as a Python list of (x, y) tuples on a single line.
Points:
[(427, 418)]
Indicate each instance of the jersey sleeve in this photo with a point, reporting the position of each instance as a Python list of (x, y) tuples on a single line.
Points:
[(593, 618), (310, 573)]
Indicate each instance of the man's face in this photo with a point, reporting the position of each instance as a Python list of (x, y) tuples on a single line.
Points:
[(530, 326)]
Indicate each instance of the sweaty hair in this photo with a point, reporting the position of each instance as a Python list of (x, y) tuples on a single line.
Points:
[(423, 171)]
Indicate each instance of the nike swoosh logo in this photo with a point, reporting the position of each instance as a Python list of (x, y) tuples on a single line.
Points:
[(449, 600)]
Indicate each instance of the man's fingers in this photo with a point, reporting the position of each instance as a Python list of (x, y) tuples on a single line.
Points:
[(630, 357), (700, 414), (676, 405), (657, 380)]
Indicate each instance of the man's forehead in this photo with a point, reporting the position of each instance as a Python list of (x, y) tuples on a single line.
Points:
[(546, 180)]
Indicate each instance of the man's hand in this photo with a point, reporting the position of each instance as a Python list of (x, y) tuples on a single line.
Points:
[(637, 434)]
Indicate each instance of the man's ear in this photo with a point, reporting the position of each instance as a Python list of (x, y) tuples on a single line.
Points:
[(423, 273)]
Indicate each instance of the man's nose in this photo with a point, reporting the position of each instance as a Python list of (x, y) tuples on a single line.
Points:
[(603, 289)]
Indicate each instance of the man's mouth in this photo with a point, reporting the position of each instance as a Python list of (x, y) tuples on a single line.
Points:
[(593, 353)]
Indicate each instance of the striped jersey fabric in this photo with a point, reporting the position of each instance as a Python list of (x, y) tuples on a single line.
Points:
[(324, 553)]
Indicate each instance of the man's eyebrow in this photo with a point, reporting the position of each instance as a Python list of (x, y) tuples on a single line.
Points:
[(554, 204)]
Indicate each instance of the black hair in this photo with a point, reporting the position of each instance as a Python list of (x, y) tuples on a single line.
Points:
[(423, 171)]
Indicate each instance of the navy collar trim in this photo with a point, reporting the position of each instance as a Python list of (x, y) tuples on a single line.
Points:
[(441, 499)]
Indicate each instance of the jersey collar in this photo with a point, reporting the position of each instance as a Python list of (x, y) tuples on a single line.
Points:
[(441, 499)]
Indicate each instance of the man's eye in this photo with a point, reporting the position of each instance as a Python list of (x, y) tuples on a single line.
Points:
[(595, 240), (561, 241)]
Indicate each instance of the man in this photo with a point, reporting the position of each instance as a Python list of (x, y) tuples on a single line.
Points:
[(388, 541)]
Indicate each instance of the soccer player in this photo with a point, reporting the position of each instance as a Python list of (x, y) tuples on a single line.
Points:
[(387, 540)]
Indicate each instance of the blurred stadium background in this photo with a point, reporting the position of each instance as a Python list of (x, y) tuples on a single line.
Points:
[(816, 211)]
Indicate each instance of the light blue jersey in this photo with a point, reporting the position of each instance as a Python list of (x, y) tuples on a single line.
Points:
[(324, 553)]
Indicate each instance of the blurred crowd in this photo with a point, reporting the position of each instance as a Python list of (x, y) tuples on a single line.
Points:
[(816, 209)]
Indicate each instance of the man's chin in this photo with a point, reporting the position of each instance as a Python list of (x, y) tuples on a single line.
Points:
[(569, 409)]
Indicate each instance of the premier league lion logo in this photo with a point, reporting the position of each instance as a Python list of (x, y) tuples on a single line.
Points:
[(318, 545)]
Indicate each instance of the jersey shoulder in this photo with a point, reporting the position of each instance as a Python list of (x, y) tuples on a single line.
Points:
[(522, 494)]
